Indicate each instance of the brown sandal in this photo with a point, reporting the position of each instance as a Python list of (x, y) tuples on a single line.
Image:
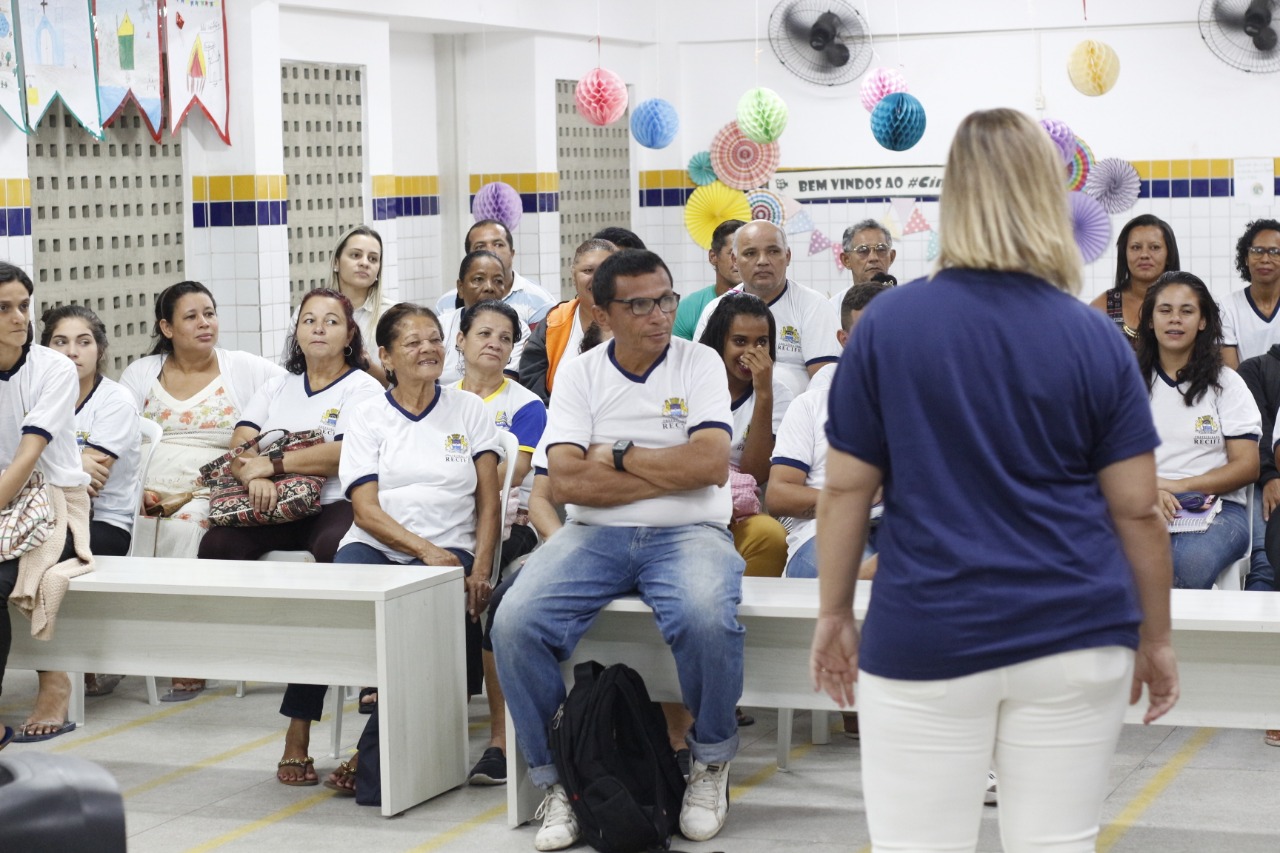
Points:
[(1271, 737), (344, 772), (305, 764)]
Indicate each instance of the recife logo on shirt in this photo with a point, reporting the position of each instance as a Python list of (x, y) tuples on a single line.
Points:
[(1206, 431), (82, 439), (501, 421), (789, 339), (674, 413), (455, 448), (329, 420)]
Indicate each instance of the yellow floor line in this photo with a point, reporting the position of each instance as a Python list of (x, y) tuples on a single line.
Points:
[(276, 817), (1115, 830), (736, 791), (178, 708), (460, 830)]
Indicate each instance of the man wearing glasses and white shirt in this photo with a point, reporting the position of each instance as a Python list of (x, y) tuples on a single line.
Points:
[(866, 250)]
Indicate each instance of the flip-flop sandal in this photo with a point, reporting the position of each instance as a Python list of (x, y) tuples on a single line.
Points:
[(175, 695), (345, 771), (5, 737), (102, 685), (63, 728), (305, 764), (368, 707), (1271, 737)]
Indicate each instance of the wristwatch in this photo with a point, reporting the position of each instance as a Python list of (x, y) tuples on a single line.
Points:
[(620, 449), (277, 461)]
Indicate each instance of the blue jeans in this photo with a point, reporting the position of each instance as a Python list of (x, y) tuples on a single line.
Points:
[(1262, 573), (692, 578), (1198, 558), (804, 562)]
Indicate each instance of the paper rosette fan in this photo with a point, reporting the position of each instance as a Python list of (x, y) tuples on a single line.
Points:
[(601, 96), (1092, 226), (700, 171), (498, 201), (767, 205), (898, 121), (654, 123), (1114, 183), (1062, 137), (741, 163), (1093, 67), (709, 206), (762, 115), (1079, 166), (880, 82)]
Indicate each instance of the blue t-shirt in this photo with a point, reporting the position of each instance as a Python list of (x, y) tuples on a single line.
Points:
[(990, 401)]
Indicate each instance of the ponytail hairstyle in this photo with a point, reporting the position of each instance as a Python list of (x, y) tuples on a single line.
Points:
[(53, 316)]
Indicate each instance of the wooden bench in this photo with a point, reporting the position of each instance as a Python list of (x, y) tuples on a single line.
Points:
[(396, 627), (1228, 646)]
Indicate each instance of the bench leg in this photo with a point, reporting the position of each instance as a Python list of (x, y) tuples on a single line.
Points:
[(523, 796), (75, 707), (338, 697), (821, 727), (239, 689), (153, 697), (786, 717)]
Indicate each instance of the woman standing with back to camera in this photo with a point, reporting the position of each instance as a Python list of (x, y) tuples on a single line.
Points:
[(1022, 559)]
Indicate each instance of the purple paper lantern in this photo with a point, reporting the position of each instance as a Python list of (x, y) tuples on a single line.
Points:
[(498, 201), (1062, 137)]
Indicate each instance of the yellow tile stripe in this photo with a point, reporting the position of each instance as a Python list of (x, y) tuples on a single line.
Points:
[(1115, 830), (395, 186), (669, 179), (15, 192), (524, 182), (239, 188)]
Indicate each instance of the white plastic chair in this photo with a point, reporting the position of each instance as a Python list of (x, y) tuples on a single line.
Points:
[(152, 432), (510, 452), (1232, 577)]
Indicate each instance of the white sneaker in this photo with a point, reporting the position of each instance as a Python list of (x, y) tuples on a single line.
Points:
[(990, 797), (706, 801), (559, 826)]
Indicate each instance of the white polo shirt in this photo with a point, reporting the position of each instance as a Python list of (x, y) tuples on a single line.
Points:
[(745, 406), (530, 300), (454, 365), (289, 403), (1247, 328), (107, 421), (424, 465), (519, 411), (38, 396), (806, 325), (802, 444), (597, 402)]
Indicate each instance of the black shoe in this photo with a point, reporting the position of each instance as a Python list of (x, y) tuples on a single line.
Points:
[(744, 719), (491, 769), (368, 707), (684, 760)]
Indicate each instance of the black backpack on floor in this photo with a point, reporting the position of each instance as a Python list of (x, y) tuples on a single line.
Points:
[(615, 761)]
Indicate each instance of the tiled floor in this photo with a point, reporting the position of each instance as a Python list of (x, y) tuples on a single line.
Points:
[(199, 776)]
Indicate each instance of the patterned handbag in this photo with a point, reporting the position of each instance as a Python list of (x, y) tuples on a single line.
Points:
[(297, 495), (27, 521)]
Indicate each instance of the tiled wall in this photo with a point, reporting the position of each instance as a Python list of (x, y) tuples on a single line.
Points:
[(413, 202), (537, 238), (15, 221)]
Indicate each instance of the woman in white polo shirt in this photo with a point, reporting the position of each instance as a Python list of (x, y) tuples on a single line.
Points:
[(419, 464), (1208, 422), (481, 277)]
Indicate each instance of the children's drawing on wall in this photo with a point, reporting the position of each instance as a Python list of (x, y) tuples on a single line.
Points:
[(57, 59), (197, 64), (10, 78), (129, 59)]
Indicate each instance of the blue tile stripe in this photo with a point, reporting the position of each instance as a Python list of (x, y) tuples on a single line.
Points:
[(15, 222), (396, 207), (532, 202), (225, 214), (1190, 188)]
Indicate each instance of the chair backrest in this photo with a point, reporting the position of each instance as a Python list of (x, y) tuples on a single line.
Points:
[(152, 433), (510, 450)]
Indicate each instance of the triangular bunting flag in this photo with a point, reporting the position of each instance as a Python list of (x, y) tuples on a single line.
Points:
[(10, 75), (916, 223), (799, 223), (818, 242), (129, 59), (902, 207), (836, 248), (57, 60), (790, 206), (196, 36), (890, 221)]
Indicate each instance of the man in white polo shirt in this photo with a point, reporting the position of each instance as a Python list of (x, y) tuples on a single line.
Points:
[(638, 448), (806, 321), (530, 301)]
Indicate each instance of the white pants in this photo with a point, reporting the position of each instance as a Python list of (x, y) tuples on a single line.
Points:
[(1048, 726)]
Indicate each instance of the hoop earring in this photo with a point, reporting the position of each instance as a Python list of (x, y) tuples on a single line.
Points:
[(346, 350)]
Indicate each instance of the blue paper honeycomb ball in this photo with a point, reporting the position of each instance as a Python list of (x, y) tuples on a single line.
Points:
[(654, 123), (898, 121)]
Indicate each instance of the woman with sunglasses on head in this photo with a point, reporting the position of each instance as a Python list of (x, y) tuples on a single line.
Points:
[(1208, 422)]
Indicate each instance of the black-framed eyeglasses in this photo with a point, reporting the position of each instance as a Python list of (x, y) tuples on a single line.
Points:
[(863, 250), (642, 306), (1259, 251)]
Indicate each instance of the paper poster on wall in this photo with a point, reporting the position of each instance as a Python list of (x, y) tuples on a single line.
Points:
[(57, 59), (10, 78), (129, 59), (1255, 181), (196, 35)]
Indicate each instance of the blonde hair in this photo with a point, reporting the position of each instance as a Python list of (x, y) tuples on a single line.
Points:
[(375, 291), (1004, 201)]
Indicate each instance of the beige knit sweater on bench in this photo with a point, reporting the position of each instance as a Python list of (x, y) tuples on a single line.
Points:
[(42, 580)]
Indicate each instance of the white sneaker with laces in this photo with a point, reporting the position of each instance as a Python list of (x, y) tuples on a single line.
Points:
[(990, 797), (559, 826), (706, 801)]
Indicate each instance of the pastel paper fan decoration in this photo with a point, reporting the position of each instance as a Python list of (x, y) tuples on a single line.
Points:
[(1092, 226), (741, 163), (767, 205), (654, 123), (498, 201), (1093, 67), (879, 83), (700, 171), (1114, 183), (762, 115), (898, 121), (709, 206), (935, 247), (1062, 137), (601, 96), (1078, 168)]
